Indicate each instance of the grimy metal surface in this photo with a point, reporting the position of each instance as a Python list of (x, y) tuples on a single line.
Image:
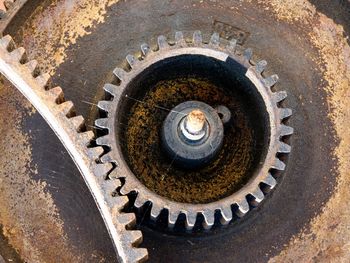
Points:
[(60, 116), (305, 218)]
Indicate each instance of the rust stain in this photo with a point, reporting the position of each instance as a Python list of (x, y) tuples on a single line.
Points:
[(328, 238), (50, 31), (28, 214)]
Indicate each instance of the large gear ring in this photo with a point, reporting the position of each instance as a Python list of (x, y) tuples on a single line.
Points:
[(262, 176)]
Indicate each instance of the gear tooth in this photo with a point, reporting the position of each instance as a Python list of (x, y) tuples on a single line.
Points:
[(32, 66), (19, 54), (258, 195), (215, 39), (179, 39), (197, 38), (87, 137), (7, 42), (286, 130), (243, 207), (271, 81), (270, 181), (280, 96), (43, 80), (103, 141), (155, 211), (105, 105), (120, 202), (137, 255), (126, 189), (102, 169), (95, 152), (232, 46), (278, 165), (57, 94), (260, 66), (162, 42), (172, 218), (139, 201), (126, 219), (145, 49), (77, 122), (191, 219), (108, 188), (107, 158), (111, 89), (248, 54), (133, 237), (209, 219), (285, 113), (66, 108), (120, 73), (226, 215), (284, 148), (102, 123), (132, 61)]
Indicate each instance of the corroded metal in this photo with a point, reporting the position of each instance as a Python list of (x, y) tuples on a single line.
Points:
[(70, 129), (214, 49)]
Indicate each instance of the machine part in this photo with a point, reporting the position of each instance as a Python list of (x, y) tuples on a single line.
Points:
[(192, 134), (225, 54), (70, 129)]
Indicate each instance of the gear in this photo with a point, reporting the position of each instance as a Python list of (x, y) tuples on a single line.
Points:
[(215, 50), (70, 129)]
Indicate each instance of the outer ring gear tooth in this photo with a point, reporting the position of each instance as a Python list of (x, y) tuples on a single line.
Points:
[(248, 54), (105, 105), (78, 122), (286, 130), (209, 219), (243, 207), (32, 66), (232, 46), (111, 89), (226, 215), (285, 113), (215, 40), (271, 99), (139, 201), (191, 218), (145, 49), (104, 141), (197, 38), (102, 123), (162, 42), (279, 165), (19, 54), (7, 42), (258, 196), (120, 73), (132, 61), (260, 66), (155, 211), (179, 39), (284, 148), (271, 80), (172, 218), (270, 181), (43, 79)]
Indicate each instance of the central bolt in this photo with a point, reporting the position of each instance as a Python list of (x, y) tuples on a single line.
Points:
[(193, 126), (192, 134)]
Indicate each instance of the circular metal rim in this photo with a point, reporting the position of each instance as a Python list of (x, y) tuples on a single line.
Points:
[(276, 114)]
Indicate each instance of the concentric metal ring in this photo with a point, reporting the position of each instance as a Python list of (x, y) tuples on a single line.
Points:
[(276, 115)]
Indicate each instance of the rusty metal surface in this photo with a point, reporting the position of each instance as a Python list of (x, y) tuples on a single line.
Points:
[(307, 210)]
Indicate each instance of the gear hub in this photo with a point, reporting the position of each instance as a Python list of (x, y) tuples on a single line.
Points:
[(225, 123), (192, 134)]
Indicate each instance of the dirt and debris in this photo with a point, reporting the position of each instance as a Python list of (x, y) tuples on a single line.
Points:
[(228, 172), (28, 215), (51, 30), (327, 238)]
